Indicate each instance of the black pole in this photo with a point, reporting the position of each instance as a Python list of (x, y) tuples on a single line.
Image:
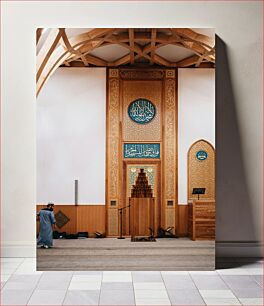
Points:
[(121, 214)]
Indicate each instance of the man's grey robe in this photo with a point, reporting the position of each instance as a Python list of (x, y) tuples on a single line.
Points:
[(46, 220)]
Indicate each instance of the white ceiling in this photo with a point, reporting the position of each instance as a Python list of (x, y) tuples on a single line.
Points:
[(174, 53), (110, 53)]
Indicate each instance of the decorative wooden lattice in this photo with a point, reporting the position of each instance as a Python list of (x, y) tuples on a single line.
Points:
[(141, 189)]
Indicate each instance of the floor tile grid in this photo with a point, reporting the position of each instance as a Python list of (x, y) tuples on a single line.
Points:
[(167, 288), (118, 280), (35, 286), (246, 274), (233, 291), (252, 276), (156, 301), (197, 287), (102, 276), (259, 283), (133, 289), (13, 273), (67, 289), (19, 263)]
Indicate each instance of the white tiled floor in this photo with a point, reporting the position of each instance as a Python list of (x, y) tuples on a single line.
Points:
[(21, 284)]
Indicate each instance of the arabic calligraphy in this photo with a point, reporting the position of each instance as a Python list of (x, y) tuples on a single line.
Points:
[(142, 150), (141, 111), (201, 155)]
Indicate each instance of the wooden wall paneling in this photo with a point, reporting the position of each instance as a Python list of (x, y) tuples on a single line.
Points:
[(83, 218), (91, 218), (70, 212), (182, 220)]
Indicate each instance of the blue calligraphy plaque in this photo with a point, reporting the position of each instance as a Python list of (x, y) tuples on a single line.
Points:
[(141, 150), (141, 111), (201, 155)]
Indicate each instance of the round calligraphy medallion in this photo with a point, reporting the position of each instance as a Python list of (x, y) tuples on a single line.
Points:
[(201, 155), (141, 111)]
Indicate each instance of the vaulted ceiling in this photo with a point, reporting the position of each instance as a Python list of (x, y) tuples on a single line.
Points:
[(138, 47)]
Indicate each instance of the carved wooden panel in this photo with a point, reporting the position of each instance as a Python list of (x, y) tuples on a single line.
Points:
[(152, 91), (170, 218), (201, 169), (113, 148), (170, 144), (131, 74), (112, 222)]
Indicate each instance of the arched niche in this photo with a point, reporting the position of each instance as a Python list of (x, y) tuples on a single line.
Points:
[(201, 169)]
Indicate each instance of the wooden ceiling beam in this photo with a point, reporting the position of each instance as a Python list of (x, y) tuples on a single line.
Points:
[(204, 56), (136, 48), (207, 65), (93, 44), (121, 61), (69, 47), (194, 36), (58, 49), (86, 49), (162, 61), (143, 37), (81, 39), (47, 49), (94, 60), (152, 44), (198, 43), (188, 61), (131, 45), (59, 55), (199, 50), (38, 34)]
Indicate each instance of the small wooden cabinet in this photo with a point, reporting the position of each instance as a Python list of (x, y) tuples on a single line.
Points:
[(201, 219)]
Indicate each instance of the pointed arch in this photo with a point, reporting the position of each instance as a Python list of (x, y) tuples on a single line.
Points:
[(201, 173)]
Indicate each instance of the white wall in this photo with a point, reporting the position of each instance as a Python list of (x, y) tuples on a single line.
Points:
[(71, 125), (238, 76), (196, 117)]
